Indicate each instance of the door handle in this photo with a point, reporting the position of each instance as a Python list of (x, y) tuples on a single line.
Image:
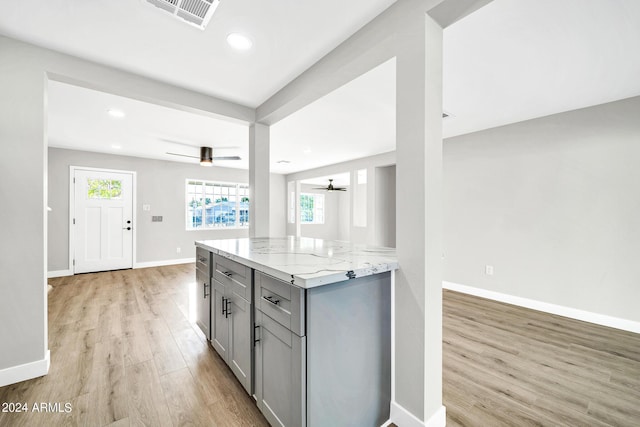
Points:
[(127, 228)]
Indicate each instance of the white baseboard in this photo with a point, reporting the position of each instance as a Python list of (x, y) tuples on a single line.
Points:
[(63, 273), (16, 374), (403, 418), (163, 263), (59, 273), (438, 419), (572, 313)]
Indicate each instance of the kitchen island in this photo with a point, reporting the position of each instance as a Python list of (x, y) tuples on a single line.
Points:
[(304, 324)]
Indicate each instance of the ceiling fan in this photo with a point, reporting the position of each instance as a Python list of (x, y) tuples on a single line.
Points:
[(206, 154), (330, 187)]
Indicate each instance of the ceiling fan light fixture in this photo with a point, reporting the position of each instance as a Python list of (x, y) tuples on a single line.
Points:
[(206, 156)]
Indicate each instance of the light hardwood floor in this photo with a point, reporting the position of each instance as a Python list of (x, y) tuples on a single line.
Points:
[(125, 352), (510, 366)]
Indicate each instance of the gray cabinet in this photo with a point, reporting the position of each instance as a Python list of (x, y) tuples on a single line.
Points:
[(232, 311), (203, 292), (323, 355), (220, 323), (279, 372)]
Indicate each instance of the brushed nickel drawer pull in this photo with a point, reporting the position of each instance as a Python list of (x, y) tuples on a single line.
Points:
[(271, 300)]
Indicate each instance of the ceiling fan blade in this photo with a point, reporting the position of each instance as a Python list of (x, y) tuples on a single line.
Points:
[(227, 158), (183, 155), (196, 145), (173, 141)]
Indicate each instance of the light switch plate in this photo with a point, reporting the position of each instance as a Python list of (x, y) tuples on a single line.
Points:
[(146, 207), (156, 218)]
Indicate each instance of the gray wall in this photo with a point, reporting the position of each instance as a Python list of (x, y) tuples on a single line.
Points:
[(346, 230), (160, 184), (330, 230), (554, 205)]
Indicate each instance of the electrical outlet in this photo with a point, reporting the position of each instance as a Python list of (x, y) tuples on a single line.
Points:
[(178, 250), (488, 270)]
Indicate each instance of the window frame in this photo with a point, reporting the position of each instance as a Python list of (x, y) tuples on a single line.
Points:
[(318, 211), (241, 192)]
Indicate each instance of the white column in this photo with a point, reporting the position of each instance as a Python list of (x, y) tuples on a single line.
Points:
[(259, 176), (23, 185), (418, 296)]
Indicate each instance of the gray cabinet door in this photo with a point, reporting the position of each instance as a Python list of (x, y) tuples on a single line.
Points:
[(220, 330), (280, 373), (240, 342), (203, 304)]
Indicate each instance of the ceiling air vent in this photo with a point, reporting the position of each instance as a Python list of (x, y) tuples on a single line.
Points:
[(194, 12)]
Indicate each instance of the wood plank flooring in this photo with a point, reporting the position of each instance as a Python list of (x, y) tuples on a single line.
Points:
[(125, 352), (510, 366)]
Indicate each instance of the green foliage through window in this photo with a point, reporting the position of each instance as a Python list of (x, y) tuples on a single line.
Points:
[(104, 188), (312, 208)]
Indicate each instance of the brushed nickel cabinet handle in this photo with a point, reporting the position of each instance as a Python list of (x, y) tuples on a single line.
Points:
[(271, 300)]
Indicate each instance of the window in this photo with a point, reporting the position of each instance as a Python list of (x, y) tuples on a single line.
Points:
[(104, 188), (312, 208), (215, 205)]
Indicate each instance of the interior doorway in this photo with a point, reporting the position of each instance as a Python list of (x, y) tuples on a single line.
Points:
[(101, 219)]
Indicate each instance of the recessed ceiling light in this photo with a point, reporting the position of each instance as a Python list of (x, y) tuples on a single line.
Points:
[(118, 114), (239, 41), (116, 146), (283, 161)]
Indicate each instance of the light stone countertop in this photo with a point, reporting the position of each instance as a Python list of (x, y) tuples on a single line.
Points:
[(305, 262)]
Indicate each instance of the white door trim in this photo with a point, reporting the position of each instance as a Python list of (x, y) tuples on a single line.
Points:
[(72, 201)]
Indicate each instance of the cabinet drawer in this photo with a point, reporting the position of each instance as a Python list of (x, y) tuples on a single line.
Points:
[(239, 273), (281, 301), (203, 258), (233, 275)]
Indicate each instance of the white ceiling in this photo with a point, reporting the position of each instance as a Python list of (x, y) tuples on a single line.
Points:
[(509, 61), (78, 119), (516, 60), (288, 36), (356, 120), (339, 180)]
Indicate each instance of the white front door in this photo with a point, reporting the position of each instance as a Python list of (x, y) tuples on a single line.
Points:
[(103, 220)]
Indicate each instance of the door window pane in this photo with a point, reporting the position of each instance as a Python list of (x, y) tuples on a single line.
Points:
[(104, 188)]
